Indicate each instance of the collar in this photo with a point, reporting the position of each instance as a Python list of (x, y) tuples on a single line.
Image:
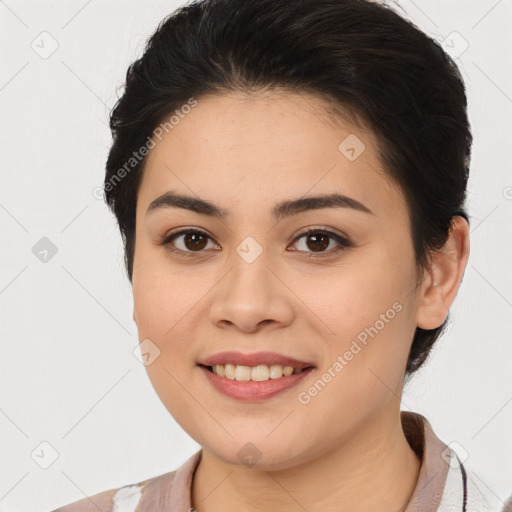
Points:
[(418, 431), (443, 485)]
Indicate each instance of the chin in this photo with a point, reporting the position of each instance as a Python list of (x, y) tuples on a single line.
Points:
[(261, 455)]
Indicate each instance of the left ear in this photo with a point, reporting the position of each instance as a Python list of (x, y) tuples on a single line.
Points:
[(440, 285)]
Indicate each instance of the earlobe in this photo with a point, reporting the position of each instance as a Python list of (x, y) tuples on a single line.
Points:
[(442, 281)]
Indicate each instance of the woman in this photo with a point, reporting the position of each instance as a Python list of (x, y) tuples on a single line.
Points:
[(289, 180)]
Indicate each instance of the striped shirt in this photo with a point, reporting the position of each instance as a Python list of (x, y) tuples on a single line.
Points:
[(444, 483)]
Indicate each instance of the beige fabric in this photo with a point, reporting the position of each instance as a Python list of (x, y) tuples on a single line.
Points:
[(434, 468)]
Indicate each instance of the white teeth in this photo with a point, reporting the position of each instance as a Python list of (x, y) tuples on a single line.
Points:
[(276, 371), (243, 373), (256, 373), (219, 370), (229, 370), (260, 372)]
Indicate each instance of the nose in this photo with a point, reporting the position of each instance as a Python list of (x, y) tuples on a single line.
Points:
[(251, 295)]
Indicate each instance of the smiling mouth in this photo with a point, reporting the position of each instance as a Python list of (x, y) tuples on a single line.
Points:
[(257, 373)]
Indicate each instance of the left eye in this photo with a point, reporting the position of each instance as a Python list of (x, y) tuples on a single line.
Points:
[(194, 241), (320, 239)]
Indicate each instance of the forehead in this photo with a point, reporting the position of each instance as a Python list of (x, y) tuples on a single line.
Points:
[(236, 146)]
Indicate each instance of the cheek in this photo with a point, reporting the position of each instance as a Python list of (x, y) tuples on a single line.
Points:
[(161, 297), (357, 295), (163, 308), (370, 310), (364, 363)]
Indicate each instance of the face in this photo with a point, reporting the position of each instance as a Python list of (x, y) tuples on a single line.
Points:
[(340, 299)]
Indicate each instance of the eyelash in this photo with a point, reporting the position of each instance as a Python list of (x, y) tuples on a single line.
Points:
[(343, 242)]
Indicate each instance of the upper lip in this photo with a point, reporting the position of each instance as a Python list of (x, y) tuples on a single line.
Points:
[(255, 359)]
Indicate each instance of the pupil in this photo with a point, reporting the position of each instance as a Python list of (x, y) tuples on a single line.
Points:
[(318, 245), (194, 237)]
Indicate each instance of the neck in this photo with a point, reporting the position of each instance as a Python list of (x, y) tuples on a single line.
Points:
[(376, 470)]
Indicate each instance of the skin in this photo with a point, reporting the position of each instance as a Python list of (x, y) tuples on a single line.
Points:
[(245, 153)]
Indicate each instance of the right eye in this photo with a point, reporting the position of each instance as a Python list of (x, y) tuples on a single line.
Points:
[(194, 241)]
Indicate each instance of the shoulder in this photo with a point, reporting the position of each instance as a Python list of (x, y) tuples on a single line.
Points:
[(169, 491), (121, 499)]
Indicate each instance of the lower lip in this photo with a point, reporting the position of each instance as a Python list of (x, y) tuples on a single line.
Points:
[(249, 390)]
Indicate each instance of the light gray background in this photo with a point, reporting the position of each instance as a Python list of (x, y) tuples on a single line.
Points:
[(68, 373)]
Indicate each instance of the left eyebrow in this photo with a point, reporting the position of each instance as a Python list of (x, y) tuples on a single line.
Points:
[(280, 211)]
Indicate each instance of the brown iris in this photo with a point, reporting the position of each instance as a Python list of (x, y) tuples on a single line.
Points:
[(321, 241), (197, 241)]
